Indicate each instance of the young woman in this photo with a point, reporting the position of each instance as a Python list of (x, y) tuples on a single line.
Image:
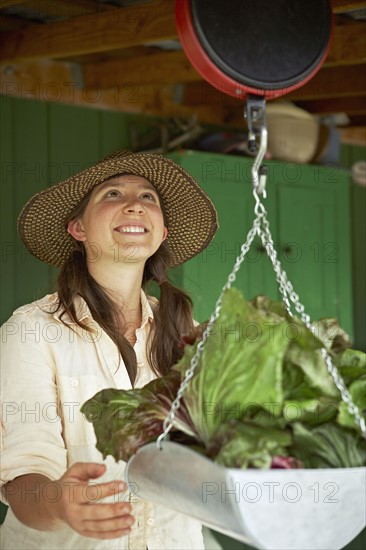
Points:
[(112, 229)]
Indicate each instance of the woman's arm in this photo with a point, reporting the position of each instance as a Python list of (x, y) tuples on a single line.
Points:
[(48, 505), (26, 497)]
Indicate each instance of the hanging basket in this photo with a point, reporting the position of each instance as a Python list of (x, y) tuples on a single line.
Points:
[(310, 509)]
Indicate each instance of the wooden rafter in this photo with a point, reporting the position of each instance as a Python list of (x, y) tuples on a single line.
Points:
[(343, 6), (332, 82), (71, 8), (174, 67), (62, 82), (158, 68), (348, 45), (34, 78), (96, 32), (334, 90), (350, 105), (9, 3), (349, 80), (10, 22), (58, 82), (65, 9)]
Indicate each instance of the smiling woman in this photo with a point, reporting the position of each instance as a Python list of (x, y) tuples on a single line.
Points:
[(120, 224), (112, 229)]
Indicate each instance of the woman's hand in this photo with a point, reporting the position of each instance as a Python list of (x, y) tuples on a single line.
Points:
[(78, 505), (47, 505)]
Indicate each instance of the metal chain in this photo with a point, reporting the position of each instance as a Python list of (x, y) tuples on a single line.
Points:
[(261, 228), (169, 420)]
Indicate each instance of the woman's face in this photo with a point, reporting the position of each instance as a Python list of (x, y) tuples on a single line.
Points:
[(123, 221)]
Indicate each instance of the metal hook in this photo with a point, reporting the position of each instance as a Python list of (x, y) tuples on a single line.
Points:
[(256, 117)]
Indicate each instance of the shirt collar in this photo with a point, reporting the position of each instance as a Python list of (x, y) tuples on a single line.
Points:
[(147, 312)]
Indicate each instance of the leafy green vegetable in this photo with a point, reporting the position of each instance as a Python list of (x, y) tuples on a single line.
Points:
[(352, 365), (261, 396), (358, 392), (310, 411), (124, 420), (245, 349), (253, 447), (328, 446)]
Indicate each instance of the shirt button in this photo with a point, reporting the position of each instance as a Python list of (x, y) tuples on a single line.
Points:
[(150, 521), (74, 382)]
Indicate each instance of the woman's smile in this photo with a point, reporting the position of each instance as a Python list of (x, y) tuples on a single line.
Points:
[(138, 229)]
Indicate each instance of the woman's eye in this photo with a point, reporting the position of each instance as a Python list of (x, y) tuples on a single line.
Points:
[(148, 196), (113, 193)]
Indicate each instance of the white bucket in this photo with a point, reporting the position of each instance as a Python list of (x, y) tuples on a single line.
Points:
[(301, 509)]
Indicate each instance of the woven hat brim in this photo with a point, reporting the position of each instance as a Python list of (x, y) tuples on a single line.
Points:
[(191, 215)]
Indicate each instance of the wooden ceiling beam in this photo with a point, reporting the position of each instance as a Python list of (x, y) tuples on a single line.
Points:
[(62, 82), (342, 6), (166, 67), (349, 105), (64, 8), (84, 34), (96, 32), (59, 82), (9, 3), (357, 120), (332, 82), (348, 46), (349, 80), (11, 22), (71, 8), (345, 90), (338, 6), (39, 79)]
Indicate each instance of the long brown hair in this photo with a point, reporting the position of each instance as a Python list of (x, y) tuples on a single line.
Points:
[(172, 314)]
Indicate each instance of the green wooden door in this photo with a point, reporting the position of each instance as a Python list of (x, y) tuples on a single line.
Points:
[(308, 250), (314, 242)]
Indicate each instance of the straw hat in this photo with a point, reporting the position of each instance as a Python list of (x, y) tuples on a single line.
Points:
[(191, 216), (293, 133)]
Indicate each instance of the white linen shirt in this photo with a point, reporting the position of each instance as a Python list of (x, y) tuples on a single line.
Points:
[(48, 371)]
